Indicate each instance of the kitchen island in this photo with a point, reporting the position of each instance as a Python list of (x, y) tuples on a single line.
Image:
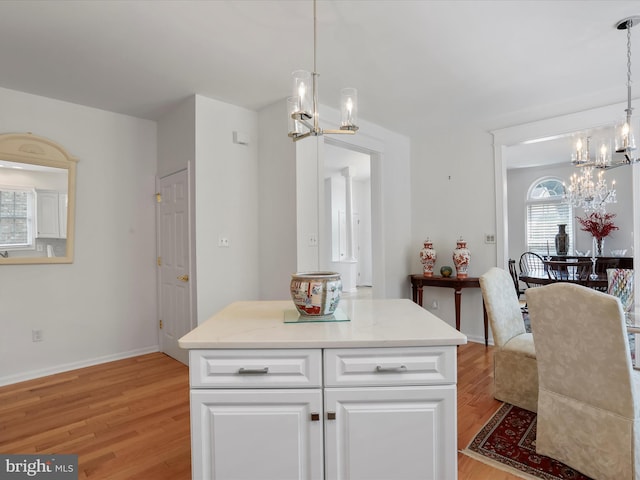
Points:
[(372, 397)]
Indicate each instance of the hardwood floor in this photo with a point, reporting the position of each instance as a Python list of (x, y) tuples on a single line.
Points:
[(125, 419), (476, 405), (129, 419)]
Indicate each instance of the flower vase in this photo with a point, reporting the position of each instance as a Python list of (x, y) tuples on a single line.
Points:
[(599, 246), (428, 258), (562, 240), (461, 257)]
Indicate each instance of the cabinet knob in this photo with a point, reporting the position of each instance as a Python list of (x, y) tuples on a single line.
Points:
[(183, 278), (315, 417), (331, 415)]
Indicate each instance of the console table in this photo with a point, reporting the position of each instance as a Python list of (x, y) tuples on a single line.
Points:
[(418, 281)]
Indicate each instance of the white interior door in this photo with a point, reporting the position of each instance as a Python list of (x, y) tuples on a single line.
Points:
[(174, 276)]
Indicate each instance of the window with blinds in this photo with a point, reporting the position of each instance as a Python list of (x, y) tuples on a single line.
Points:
[(17, 209), (545, 211)]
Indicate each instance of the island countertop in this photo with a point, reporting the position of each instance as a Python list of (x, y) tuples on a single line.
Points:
[(372, 323)]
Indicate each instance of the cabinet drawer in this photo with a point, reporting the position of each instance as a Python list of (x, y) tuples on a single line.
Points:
[(255, 368), (390, 366)]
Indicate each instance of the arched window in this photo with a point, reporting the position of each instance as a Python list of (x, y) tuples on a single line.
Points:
[(545, 211)]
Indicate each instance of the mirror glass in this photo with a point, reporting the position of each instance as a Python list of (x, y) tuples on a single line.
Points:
[(37, 201)]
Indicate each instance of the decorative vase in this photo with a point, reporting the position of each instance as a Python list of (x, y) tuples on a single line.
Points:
[(461, 257), (446, 271), (316, 294), (562, 240), (428, 258), (598, 246)]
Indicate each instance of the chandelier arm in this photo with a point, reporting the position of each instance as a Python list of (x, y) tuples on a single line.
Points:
[(299, 136), (341, 131)]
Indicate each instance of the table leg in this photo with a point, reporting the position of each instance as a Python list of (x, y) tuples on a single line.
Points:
[(420, 296), (414, 292), (458, 297)]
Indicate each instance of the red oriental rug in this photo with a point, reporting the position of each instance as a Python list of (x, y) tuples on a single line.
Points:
[(508, 442)]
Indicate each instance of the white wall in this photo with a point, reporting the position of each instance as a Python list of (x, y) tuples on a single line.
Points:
[(277, 204), (177, 138), (453, 195), (103, 306), (226, 193)]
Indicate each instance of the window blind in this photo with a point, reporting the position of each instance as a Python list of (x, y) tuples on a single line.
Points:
[(543, 219), (16, 214)]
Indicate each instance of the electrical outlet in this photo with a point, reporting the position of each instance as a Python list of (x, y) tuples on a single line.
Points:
[(36, 335), (313, 240), (489, 238), (223, 242), (434, 304)]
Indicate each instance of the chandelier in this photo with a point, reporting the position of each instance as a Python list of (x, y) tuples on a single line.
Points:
[(589, 194), (302, 106), (624, 135)]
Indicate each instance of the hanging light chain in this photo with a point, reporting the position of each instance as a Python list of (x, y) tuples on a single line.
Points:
[(629, 25)]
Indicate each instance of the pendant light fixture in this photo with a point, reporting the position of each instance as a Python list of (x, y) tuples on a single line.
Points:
[(302, 106), (625, 142)]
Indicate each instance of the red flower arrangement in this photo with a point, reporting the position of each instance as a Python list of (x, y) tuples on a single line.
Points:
[(597, 224)]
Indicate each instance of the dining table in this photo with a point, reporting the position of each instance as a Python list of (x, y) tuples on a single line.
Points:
[(542, 277)]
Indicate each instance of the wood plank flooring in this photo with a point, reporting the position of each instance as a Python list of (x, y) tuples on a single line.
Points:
[(129, 419)]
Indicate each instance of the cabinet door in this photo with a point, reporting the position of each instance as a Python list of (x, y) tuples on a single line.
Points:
[(256, 434), (48, 221), (399, 433)]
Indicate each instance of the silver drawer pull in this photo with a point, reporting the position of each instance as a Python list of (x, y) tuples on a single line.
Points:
[(401, 368), (253, 371)]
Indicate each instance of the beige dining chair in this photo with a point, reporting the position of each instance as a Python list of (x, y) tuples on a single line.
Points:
[(589, 399), (515, 373)]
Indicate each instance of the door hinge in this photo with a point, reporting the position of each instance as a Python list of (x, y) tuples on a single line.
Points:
[(159, 261), (158, 197), (160, 324)]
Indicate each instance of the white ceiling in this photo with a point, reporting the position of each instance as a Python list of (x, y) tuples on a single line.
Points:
[(417, 64)]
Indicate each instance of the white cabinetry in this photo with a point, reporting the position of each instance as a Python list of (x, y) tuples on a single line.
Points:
[(359, 414), (52, 214)]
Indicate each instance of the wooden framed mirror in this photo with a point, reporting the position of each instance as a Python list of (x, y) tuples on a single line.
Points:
[(37, 200)]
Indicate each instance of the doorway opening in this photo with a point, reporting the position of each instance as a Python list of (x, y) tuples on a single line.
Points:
[(348, 216)]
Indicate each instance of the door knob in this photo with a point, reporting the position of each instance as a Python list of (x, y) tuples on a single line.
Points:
[(184, 278)]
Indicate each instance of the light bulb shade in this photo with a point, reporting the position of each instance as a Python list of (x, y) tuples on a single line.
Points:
[(625, 135), (602, 152), (349, 107), (581, 152), (293, 106), (303, 89)]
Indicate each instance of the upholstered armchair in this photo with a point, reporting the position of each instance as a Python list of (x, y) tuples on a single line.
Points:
[(515, 372), (588, 406)]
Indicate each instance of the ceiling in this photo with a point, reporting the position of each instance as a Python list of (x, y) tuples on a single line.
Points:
[(417, 64)]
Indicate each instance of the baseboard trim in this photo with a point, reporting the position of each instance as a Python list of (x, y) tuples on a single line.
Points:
[(476, 339), (65, 367)]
